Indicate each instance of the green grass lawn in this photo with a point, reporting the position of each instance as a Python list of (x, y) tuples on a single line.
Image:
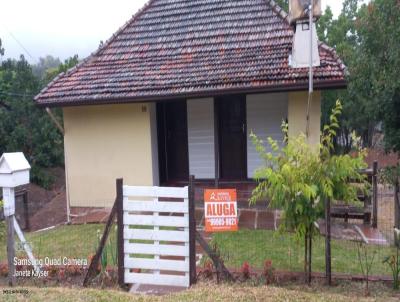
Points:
[(286, 254), (71, 241), (80, 241)]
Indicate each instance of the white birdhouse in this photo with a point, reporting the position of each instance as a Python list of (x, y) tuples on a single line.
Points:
[(14, 170)]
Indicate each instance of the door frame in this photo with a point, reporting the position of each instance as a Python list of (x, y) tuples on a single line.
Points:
[(217, 138)]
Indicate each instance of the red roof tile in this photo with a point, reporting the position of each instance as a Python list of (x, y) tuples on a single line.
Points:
[(183, 48)]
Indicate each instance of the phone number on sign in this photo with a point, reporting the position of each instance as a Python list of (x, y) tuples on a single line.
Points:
[(228, 221)]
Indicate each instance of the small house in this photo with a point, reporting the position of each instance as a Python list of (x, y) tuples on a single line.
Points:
[(177, 91)]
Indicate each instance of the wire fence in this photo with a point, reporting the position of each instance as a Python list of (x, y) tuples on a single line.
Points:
[(258, 242)]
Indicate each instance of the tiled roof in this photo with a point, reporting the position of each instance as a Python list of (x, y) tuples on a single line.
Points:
[(184, 48)]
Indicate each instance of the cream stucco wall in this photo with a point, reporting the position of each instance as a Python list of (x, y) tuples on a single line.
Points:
[(297, 113), (103, 143)]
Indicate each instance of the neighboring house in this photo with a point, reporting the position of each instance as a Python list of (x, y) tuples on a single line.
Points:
[(177, 90)]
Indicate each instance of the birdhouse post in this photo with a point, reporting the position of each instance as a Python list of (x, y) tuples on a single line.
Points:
[(14, 172)]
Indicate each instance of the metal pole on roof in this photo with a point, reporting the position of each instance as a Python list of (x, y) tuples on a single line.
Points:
[(310, 74)]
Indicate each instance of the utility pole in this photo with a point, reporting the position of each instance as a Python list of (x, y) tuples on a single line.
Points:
[(310, 73)]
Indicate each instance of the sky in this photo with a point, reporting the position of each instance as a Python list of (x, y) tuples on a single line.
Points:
[(63, 28)]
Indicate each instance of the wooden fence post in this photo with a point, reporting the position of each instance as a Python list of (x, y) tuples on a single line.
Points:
[(397, 205), (218, 263), (192, 231), (9, 213), (375, 195), (10, 250), (95, 261), (328, 259), (26, 210), (120, 235)]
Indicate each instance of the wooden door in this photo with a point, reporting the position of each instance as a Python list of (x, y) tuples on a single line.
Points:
[(232, 137), (174, 163)]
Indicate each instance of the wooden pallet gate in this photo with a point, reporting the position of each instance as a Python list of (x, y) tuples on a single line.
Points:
[(154, 237)]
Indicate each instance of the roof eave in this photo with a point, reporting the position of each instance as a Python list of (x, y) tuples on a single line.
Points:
[(321, 85)]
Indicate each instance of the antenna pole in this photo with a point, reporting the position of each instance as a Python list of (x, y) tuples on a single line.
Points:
[(310, 74)]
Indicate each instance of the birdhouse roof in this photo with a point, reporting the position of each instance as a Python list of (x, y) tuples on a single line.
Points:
[(13, 162)]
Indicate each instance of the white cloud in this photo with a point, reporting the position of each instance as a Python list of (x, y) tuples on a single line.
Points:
[(336, 6)]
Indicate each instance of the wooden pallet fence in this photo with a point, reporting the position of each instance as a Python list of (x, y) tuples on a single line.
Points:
[(156, 236)]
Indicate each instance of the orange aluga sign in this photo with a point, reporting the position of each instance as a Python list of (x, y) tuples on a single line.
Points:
[(220, 208)]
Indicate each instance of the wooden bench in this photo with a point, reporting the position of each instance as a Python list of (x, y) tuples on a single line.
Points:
[(367, 213)]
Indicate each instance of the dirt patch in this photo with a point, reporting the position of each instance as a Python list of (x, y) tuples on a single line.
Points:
[(83, 215), (46, 208), (52, 213)]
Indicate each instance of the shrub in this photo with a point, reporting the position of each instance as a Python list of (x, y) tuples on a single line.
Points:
[(245, 271), (297, 178), (268, 272)]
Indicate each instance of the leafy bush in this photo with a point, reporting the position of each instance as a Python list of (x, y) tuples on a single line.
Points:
[(299, 177)]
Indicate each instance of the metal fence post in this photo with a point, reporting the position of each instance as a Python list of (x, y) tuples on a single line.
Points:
[(328, 259), (120, 235), (192, 231), (216, 144)]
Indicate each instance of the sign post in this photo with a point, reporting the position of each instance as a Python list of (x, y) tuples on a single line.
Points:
[(14, 172), (221, 214)]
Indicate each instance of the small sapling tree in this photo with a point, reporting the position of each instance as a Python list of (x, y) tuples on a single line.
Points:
[(298, 177), (366, 261)]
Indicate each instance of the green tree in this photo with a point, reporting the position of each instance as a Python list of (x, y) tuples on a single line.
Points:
[(298, 178), (52, 72), (23, 126), (367, 39), (377, 65), (284, 4), (45, 63), (358, 114)]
